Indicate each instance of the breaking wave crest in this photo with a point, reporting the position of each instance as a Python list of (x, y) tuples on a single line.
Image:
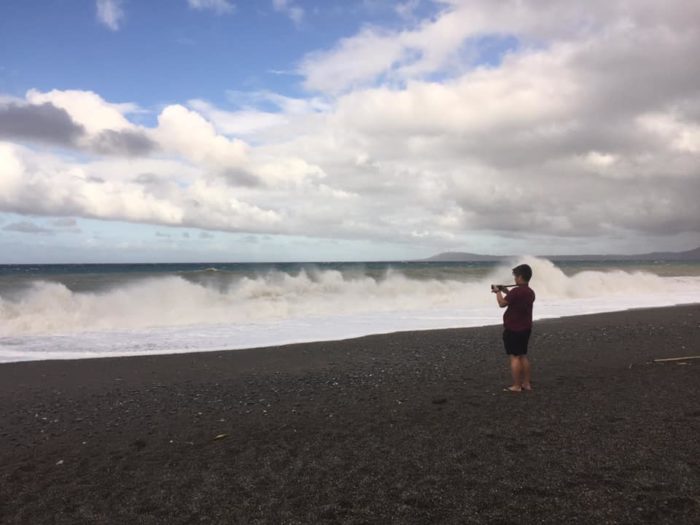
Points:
[(47, 307)]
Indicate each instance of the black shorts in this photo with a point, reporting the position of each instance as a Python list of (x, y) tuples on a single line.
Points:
[(515, 343)]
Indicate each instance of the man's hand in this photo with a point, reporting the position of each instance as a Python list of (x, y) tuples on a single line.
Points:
[(500, 299)]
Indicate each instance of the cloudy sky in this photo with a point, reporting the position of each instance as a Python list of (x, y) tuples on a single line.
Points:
[(231, 130)]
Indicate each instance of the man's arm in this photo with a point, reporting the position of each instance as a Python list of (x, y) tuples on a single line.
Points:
[(501, 300)]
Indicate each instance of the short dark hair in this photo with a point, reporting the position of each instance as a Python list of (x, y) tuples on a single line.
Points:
[(524, 271)]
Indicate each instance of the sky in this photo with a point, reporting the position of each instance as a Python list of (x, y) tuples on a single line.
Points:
[(330, 130)]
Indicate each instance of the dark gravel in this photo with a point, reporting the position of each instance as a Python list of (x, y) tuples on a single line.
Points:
[(400, 428)]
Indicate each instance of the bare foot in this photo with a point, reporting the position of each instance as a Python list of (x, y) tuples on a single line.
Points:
[(527, 387)]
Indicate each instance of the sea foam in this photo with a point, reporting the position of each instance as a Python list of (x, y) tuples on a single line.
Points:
[(173, 313)]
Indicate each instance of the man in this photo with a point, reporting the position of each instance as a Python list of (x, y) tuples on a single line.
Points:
[(517, 325)]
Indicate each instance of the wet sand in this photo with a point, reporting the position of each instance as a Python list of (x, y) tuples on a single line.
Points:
[(399, 428)]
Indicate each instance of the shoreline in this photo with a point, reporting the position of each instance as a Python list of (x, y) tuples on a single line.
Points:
[(497, 322), (408, 427)]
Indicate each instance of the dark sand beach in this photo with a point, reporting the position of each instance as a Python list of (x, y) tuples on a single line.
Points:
[(400, 428)]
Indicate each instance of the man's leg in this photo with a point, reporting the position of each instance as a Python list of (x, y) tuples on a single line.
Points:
[(515, 370), (525, 366)]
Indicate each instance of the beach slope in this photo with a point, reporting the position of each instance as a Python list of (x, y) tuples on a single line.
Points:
[(398, 428)]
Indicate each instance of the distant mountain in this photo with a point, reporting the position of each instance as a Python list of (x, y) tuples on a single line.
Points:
[(690, 255)]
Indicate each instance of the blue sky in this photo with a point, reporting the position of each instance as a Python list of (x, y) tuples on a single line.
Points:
[(344, 130), (166, 51)]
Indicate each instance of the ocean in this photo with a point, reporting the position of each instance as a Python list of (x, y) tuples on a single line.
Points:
[(86, 311)]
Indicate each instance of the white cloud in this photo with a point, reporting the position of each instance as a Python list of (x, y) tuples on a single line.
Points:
[(241, 122), (26, 227), (185, 132), (218, 6), (441, 43), (579, 131), (285, 105), (600, 160), (290, 8), (49, 185), (528, 89), (670, 128), (64, 222), (87, 108), (79, 118), (353, 62), (110, 13), (406, 9)]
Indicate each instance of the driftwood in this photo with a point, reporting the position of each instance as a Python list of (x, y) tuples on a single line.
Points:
[(676, 359)]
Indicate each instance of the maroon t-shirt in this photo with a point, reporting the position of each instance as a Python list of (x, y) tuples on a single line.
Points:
[(518, 315)]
